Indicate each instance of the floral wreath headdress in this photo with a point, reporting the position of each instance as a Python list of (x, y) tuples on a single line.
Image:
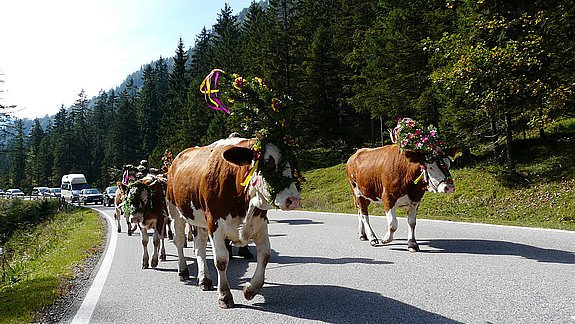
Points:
[(259, 110), (410, 137)]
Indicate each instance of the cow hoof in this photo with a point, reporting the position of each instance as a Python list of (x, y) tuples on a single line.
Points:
[(245, 252), (184, 275), (374, 242), (206, 284), (412, 246), (119, 230), (163, 258), (226, 300), (363, 238), (154, 263), (248, 293), (145, 265)]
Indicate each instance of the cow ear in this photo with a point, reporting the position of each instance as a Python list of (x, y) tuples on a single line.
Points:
[(453, 153), (414, 157), (238, 155)]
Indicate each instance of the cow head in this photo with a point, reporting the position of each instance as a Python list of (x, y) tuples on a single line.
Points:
[(273, 181), (436, 171), (138, 202)]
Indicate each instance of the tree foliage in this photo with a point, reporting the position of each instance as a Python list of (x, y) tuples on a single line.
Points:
[(482, 71)]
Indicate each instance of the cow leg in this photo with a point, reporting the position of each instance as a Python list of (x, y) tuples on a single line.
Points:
[(364, 228), (156, 240), (145, 239), (179, 240), (391, 225), (263, 248), (130, 230), (221, 260), (117, 217), (412, 245), (169, 227), (200, 246)]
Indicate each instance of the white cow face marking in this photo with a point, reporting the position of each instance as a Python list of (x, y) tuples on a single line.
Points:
[(137, 201), (278, 173), (273, 183), (438, 177)]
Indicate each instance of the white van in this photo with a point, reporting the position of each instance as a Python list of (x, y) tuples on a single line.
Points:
[(71, 186)]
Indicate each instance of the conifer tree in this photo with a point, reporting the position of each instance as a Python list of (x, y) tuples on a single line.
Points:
[(17, 150), (61, 140), (34, 166)]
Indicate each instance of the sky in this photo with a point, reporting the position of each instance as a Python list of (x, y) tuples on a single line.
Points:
[(52, 50)]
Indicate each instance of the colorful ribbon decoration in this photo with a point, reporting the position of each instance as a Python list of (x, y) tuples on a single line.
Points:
[(251, 174), (208, 88), (126, 178)]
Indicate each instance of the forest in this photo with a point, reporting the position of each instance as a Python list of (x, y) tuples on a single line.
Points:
[(485, 72)]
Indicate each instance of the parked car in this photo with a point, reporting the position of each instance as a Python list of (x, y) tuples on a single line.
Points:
[(14, 193), (38, 192), (53, 192), (91, 195), (109, 195), (2, 193)]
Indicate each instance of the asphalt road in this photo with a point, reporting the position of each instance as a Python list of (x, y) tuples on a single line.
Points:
[(321, 272)]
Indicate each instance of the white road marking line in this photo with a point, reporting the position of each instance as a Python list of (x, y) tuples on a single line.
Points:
[(89, 304)]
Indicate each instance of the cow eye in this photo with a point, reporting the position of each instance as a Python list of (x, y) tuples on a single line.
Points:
[(270, 164)]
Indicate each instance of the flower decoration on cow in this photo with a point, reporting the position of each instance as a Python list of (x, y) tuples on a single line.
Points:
[(259, 111), (410, 137)]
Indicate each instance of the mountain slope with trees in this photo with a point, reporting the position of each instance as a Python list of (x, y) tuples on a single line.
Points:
[(484, 72)]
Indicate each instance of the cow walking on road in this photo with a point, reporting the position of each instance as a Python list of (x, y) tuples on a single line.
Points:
[(396, 178), (206, 189), (146, 207)]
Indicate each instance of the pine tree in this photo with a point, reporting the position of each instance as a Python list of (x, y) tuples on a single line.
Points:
[(17, 151), (61, 140), (34, 166), (81, 141)]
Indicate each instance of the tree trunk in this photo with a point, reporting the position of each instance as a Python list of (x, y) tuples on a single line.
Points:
[(509, 141), (494, 134)]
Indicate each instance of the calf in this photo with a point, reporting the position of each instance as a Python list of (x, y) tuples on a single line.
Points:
[(206, 189), (395, 179), (146, 206)]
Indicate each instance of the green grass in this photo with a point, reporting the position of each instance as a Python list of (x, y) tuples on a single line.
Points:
[(539, 194), (43, 260)]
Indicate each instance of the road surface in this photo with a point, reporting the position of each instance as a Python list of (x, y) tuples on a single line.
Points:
[(320, 272)]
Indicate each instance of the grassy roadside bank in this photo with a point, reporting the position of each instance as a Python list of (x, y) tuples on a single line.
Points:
[(41, 261)]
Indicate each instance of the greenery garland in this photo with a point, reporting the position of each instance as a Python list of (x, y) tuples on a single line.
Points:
[(259, 110), (134, 199)]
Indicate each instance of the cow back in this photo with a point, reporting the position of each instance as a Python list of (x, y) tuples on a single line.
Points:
[(200, 178)]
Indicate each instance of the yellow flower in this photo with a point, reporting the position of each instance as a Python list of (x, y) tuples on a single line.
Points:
[(275, 104)]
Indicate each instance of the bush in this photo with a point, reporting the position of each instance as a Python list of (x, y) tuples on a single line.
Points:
[(17, 214)]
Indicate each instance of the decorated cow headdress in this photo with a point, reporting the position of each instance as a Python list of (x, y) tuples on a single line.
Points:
[(259, 110), (409, 136)]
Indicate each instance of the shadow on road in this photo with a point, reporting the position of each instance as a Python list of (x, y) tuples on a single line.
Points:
[(335, 304), (487, 247), (300, 221)]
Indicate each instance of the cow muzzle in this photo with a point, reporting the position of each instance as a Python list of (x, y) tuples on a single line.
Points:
[(292, 202), (446, 187)]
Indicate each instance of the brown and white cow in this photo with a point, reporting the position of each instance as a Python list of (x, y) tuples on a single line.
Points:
[(396, 179), (205, 190), (146, 207)]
